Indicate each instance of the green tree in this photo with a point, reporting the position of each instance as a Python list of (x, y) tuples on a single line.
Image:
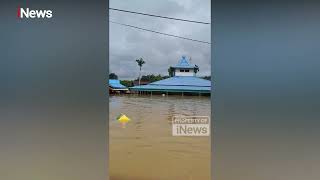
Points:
[(140, 63), (127, 83), (165, 77), (113, 76), (171, 71), (206, 77), (152, 78)]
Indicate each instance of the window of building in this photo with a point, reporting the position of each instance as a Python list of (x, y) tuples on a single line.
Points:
[(181, 70), (187, 70)]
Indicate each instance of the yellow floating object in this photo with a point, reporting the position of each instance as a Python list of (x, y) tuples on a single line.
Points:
[(123, 119)]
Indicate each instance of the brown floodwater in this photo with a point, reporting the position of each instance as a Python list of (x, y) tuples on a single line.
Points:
[(146, 150)]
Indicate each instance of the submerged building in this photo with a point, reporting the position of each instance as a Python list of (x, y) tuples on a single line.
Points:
[(183, 80), (116, 87)]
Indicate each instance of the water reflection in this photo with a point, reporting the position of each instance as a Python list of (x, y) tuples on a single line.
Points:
[(146, 149)]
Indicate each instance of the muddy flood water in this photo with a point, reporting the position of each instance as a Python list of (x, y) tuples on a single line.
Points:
[(146, 150)]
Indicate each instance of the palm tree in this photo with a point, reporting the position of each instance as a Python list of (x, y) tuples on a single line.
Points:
[(140, 63)]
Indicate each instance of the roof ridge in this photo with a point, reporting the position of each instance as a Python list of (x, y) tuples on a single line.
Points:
[(183, 60)]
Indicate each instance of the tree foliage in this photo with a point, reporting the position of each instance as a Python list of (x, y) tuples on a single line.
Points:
[(206, 77), (127, 83), (171, 71), (140, 62), (153, 78), (113, 76)]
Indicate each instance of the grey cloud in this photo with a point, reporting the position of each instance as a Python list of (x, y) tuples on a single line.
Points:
[(159, 52)]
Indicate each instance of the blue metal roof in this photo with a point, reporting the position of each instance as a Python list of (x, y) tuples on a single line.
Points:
[(177, 84), (172, 88), (183, 81), (184, 63), (114, 83)]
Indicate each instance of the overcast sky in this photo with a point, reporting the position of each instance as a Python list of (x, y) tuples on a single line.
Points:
[(159, 51)]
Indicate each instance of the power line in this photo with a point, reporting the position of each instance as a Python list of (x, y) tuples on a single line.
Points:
[(152, 15), (160, 32)]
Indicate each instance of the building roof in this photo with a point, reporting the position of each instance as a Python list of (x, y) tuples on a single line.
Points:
[(184, 63), (177, 84), (115, 84)]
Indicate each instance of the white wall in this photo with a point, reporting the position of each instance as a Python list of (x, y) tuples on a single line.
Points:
[(190, 73)]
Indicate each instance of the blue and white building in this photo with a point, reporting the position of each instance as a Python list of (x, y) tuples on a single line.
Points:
[(183, 80)]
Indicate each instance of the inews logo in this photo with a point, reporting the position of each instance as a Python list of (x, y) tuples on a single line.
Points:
[(30, 13)]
